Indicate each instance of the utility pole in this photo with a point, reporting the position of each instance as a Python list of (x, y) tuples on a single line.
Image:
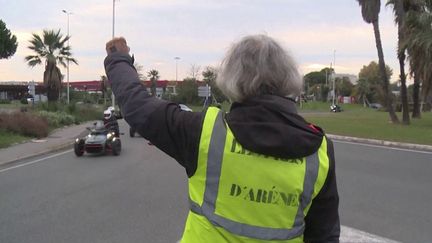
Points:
[(67, 87), (334, 77), (176, 59)]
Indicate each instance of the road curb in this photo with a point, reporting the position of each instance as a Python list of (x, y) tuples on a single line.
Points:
[(413, 146)]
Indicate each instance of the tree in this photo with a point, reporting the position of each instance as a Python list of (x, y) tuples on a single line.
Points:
[(139, 68), (209, 76), (194, 71), (50, 48), (321, 77), (344, 86), (104, 84), (187, 92), (362, 91), (371, 74), (370, 13), (317, 83), (8, 42), (314, 78), (399, 12), (419, 42), (154, 76)]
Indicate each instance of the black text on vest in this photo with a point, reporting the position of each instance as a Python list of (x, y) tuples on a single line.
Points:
[(272, 196)]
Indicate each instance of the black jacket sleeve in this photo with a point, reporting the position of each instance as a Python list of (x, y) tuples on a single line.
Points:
[(322, 220), (163, 123)]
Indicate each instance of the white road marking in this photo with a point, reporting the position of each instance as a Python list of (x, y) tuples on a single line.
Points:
[(351, 235), (35, 161), (382, 146)]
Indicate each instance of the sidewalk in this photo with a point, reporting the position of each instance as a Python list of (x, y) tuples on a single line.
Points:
[(59, 139), (64, 137)]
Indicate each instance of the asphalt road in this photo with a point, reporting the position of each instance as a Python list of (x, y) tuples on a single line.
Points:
[(141, 196), (386, 192)]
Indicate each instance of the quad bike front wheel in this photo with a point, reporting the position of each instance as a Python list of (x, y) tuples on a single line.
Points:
[(78, 149), (116, 147)]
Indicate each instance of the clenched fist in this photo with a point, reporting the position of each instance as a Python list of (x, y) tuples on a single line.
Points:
[(118, 44)]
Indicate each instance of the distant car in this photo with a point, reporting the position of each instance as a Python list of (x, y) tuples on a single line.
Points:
[(100, 140), (375, 105)]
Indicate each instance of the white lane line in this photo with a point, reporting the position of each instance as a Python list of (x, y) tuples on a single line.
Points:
[(35, 161), (351, 235), (381, 146)]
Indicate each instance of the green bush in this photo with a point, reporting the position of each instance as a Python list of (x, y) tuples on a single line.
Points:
[(88, 113), (57, 119), (59, 114), (5, 102), (71, 108)]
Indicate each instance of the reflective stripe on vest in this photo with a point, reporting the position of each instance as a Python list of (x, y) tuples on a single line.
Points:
[(214, 165)]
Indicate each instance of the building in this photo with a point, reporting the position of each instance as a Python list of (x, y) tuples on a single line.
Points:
[(16, 90)]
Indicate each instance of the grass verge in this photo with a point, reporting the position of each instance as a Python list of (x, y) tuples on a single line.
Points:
[(8, 138), (357, 121)]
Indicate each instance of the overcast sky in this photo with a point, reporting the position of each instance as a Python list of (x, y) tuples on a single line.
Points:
[(197, 31)]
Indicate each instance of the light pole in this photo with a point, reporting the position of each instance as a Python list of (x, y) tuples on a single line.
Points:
[(176, 59), (334, 76), (113, 28), (67, 87)]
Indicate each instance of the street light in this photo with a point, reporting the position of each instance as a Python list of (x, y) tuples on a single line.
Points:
[(334, 76), (176, 58), (67, 87)]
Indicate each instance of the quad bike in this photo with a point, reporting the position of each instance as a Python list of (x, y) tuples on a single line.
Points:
[(100, 140)]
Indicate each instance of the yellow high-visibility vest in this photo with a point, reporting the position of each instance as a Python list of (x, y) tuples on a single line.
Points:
[(236, 195)]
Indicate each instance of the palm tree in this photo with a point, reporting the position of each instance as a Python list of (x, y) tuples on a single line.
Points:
[(370, 13), (50, 48), (399, 10), (419, 45), (154, 76)]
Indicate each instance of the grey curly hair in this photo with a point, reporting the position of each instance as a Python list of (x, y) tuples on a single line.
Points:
[(258, 65)]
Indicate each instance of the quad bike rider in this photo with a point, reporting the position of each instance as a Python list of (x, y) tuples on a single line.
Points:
[(110, 120)]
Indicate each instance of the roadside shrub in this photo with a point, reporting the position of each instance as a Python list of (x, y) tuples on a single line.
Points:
[(59, 114), (48, 106), (71, 108), (57, 119), (5, 102), (88, 113), (25, 124)]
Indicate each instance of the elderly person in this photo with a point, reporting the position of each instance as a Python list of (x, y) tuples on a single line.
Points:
[(259, 173)]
